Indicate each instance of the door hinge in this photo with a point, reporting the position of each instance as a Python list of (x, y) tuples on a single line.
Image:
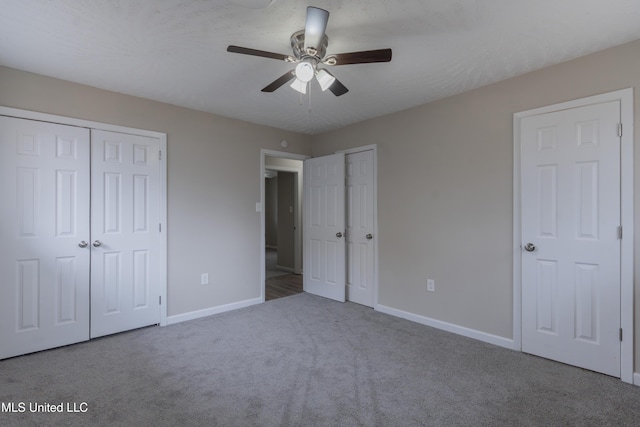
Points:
[(620, 334), (159, 299), (619, 232), (619, 129), (159, 154), (160, 227)]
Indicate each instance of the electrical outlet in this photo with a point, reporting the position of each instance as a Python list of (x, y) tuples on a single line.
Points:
[(204, 279), (431, 285)]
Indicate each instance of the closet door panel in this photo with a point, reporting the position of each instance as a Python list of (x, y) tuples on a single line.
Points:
[(44, 188), (125, 232)]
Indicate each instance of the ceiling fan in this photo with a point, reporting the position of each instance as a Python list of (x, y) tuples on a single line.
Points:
[(309, 52)]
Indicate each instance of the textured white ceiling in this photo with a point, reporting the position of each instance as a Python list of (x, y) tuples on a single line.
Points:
[(174, 51)]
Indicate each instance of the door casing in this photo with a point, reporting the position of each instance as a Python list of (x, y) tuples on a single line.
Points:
[(625, 96), (162, 204)]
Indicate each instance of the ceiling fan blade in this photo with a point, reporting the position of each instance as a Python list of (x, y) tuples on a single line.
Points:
[(256, 52), (315, 27), (364, 57), (338, 88), (280, 81)]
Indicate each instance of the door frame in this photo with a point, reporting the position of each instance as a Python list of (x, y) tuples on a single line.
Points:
[(374, 148), (162, 137), (264, 153), (625, 96)]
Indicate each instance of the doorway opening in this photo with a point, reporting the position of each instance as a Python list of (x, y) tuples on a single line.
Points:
[(281, 200)]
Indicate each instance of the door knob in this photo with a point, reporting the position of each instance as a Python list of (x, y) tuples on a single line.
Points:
[(369, 236), (338, 234), (529, 247), (96, 243), (83, 244)]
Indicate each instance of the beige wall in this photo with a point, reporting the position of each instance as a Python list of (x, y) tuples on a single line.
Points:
[(445, 189), (213, 182), (271, 212), (286, 219), (282, 163)]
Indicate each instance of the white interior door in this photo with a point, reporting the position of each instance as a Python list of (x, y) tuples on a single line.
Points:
[(125, 233), (570, 169), (359, 226), (324, 226), (44, 188)]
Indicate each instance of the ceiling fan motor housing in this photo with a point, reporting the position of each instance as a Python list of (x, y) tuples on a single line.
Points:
[(297, 44)]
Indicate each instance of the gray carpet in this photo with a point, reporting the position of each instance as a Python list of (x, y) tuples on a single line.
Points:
[(307, 361)]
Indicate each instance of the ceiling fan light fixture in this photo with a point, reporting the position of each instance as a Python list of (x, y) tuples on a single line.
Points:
[(325, 79), (305, 71), (300, 86)]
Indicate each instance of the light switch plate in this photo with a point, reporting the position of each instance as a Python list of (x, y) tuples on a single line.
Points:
[(431, 285)]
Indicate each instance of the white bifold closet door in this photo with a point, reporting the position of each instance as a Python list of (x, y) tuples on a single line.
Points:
[(124, 232), (338, 227), (324, 227), (78, 236), (44, 281), (360, 227)]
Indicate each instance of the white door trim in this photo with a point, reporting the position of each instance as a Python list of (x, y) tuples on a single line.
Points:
[(162, 137), (298, 248), (625, 96), (374, 148)]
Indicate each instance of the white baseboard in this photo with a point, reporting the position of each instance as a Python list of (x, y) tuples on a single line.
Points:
[(449, 327), (636, 378), (279, 267), (210, 311)]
